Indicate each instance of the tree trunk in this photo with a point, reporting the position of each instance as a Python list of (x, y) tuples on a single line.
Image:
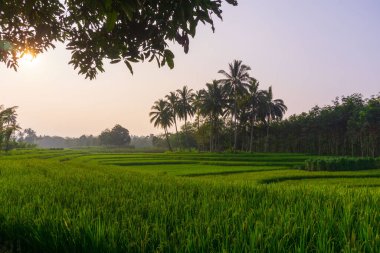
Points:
[(216, 145), (198, 122), (198, 116), (251, 137), (175, 123), (176, 130), (235, 126), (267, 138), (211, 135), (361, 145), (167, 139), (7, 140), (1, 137), (186, 134)]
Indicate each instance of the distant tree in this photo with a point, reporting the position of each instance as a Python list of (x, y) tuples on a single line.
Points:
[(255, 101), (105, 137), (161, 116), (67, 142), (185, 107), (197, 104), (52, 142), (82, 140), (229, 107), (160, 141), (173, 104), (273, 109), (213, 106), (370, 116), (8, 125), (236, 80), (350, 126), (30, 136), (117, 136), (128, 31), (142, 141), (85, 141)]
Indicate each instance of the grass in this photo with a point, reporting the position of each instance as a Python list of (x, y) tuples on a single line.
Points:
[(86, 201), (341, 164)]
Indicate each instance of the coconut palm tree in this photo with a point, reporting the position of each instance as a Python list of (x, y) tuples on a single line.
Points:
[(161, 116), (255, 101), (274, 109), (185, 107), (8, 124), (197, 104), (213, 105), (236, 81), (173, 104), (172, 99)]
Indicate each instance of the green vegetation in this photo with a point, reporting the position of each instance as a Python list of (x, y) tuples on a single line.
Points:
[(117, 136), (341, 163), (349, 127), (225, 112), (91, 201), (95, 31), (233, 114), (8, 126)]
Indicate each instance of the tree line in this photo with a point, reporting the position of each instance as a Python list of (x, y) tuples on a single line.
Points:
[(348, 127), (226, 113), (12, 136), (118, 136), (233, 114)]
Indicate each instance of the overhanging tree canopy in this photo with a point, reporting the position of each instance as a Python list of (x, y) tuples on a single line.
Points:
[(94, 30)]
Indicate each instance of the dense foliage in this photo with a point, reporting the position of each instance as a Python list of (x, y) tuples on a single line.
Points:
[(8, 126), (341, 163), (117, 136), (234, 114), (226, 112), (128, 31), (351, 126)]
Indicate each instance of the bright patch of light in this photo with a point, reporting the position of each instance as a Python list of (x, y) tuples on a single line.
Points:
[(27, 59)]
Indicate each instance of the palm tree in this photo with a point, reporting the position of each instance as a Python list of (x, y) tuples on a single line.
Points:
[(161, 116), (185, 107), (213, 105), (197, 104), (173, 104), (274, 109), (255, 101), (236, 80), (8, 124)]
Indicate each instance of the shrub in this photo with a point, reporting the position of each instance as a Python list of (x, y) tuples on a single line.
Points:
[(341, 163)]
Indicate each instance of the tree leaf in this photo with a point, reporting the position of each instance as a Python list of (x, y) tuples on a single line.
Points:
[(111, 21), (115, 61), (169, 56), (129, 66), (128, 10), (108, 4)]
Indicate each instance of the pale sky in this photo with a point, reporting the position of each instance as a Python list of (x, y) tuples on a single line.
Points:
[(309, 51)]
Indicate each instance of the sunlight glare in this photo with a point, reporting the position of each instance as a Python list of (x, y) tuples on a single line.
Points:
[(28, 59)]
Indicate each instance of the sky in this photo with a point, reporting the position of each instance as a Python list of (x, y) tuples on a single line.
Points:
[(308, 51)]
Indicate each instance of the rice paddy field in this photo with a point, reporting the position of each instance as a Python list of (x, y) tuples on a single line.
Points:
[(92, 201)]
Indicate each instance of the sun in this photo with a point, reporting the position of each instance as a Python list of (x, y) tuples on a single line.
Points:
[(28, 59)]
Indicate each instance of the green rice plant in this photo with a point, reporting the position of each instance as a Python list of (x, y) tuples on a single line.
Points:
[(73, 201), (340, 164)]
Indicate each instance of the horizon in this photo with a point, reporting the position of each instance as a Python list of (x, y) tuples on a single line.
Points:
[(308, 58)]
